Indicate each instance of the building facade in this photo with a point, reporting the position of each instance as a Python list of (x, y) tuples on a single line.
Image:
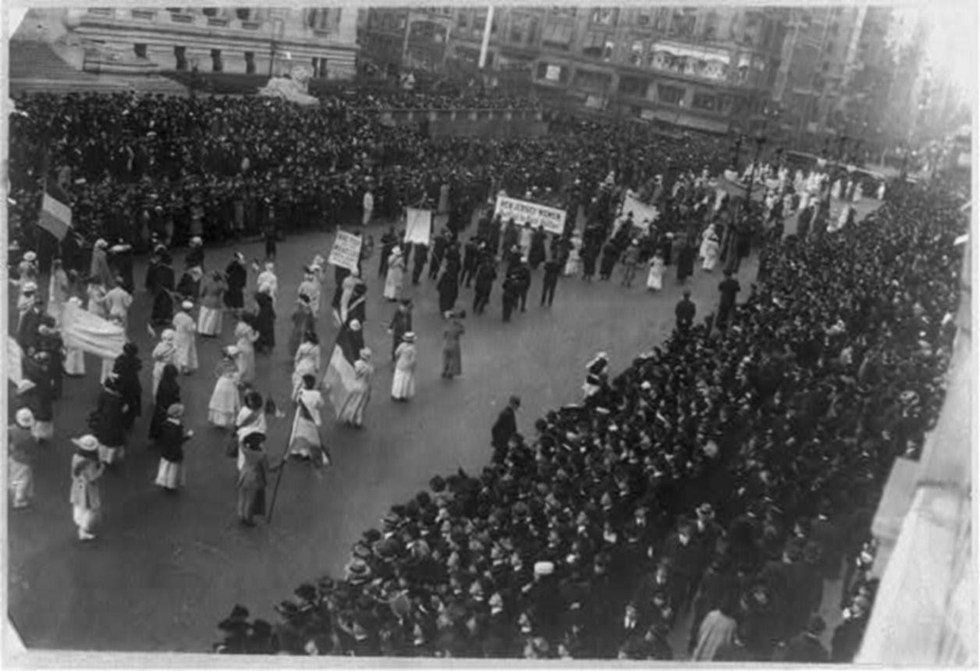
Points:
[(711, 68), (243, 40), (836, 77)]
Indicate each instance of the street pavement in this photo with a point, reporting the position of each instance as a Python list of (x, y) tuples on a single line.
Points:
[(165, 569)]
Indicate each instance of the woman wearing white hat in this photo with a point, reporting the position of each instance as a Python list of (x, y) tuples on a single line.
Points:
[(184, 339), (86, 494), (395, 279), (164, 353), (403, 382), (224, 404), (22, 449)]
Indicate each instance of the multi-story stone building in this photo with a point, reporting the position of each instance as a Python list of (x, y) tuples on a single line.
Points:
[(835, 74), (705, 67), (211, 39)]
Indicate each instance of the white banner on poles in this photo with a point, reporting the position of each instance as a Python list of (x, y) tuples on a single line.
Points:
[(643, 214), (522, 211), (346, 250), (418, 226)]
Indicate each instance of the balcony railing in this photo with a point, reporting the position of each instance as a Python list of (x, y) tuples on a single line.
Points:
[(143, 14)]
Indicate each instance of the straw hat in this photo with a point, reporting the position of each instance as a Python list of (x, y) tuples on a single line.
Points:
[(87, 443), (24, 418), (409, 337)]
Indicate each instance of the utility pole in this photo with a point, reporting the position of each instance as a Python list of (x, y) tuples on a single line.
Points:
[(485, 45)]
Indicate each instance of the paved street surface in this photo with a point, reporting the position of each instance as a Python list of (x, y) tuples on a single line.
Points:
[(165, 569)]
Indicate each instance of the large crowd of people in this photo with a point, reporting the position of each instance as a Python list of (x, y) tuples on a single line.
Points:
[(724, 475), (730, 473), (224, 167)]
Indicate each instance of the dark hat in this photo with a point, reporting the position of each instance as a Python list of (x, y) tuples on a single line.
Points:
[(253, 440), (306, 591)]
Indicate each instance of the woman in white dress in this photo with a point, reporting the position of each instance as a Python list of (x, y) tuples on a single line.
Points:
[(185, 341), (59, 289), (403, 382), (573, 266), (304, 439), (224, 404), (245, 337), (395, 279), (655, 276), (96, 298), (74, 357), (352, 413), (86, 493), (251, 419), (164, 353), (710, 247), (307, 360), (213, 289)]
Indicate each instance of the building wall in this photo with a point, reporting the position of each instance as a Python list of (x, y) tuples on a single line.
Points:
[(229, 39), (705, 66)]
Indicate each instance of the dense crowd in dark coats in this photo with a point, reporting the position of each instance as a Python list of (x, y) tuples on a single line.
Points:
[(729, 472), (137, 166)]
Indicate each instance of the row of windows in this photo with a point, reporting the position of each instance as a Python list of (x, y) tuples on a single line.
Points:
[(182, 63), (638, 87)]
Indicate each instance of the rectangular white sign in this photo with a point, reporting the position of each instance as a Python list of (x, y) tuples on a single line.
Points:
[(522, 211), (418, 226), (346, 250)]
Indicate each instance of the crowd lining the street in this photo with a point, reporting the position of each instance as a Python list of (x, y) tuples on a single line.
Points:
[(673, 487)]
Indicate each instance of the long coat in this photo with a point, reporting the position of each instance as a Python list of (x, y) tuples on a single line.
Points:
[(237, 277), (110, 426)]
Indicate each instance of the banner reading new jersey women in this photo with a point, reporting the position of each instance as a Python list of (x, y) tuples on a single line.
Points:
[(522, 211)]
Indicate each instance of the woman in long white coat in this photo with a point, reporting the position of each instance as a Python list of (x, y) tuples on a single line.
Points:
[(573, 265), (307, 360), (304, 439), (395, 279), (74, 357), (164, 353), (245, 337), (186, 339), (86, 493), (655, 276), (59, 290), (710, 247), (403, 382), (224, 404)]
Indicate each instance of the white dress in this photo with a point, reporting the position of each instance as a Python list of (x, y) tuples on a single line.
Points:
[(395, 278), (245, 337), (249, 421), (573, 266), (709, 251), (655, 278), (57, 295), (224, 404), (304, 438), (403, 382), (74, 357), (185, 342), (306, 362)]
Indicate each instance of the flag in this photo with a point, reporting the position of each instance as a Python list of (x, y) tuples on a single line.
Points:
[(55, 216), (339, 380)]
